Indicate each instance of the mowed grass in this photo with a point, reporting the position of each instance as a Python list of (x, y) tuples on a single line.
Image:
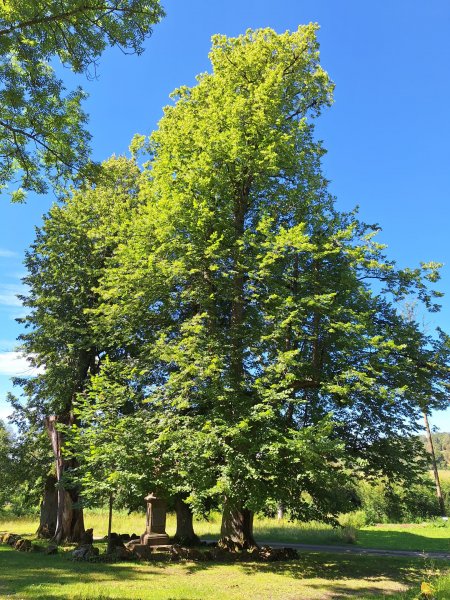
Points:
[(313, 576), (427, 537), (265, 529), (424, 537)]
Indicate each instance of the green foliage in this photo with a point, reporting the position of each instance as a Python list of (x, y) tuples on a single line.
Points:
[(398, 503), (107, 441), (6, 466), (24, 461), (64, 266), (42, 128), (275, 370), (213, 321)]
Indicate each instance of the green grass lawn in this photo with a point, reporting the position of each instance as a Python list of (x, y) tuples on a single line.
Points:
[(426, 537), (429, 537), (314, 576)]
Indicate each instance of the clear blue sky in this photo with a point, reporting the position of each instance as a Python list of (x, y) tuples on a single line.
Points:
[(387, 134)]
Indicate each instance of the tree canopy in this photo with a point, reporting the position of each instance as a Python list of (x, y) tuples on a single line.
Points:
[(250, 331), (278, 367), (65, 265), (42, 128)]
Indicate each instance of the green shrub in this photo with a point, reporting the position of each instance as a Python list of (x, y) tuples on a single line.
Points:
[(384, 502), (356, 519), (348, 535)]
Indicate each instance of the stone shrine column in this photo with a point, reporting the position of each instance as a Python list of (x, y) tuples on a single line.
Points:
[(155, 530)]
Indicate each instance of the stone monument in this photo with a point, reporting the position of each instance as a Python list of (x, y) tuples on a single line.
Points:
[(155, 530)]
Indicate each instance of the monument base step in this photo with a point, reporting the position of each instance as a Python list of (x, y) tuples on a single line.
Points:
[(155, 539), (146, 552)]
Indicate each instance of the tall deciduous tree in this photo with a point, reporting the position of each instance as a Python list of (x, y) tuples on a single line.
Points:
[(279, 370), (64, 265), (42, 129), (6, 464), (107, 441)]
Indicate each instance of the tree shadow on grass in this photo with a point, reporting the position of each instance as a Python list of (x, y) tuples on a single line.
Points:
[(382, 574), (21, 572), (25, 572)]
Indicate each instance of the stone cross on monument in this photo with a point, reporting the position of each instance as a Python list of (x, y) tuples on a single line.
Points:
[(155, 530)]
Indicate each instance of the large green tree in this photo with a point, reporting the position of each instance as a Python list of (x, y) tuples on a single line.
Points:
[(106, 440), (278, 368), (6, 464), (64, 265), (42, 128)]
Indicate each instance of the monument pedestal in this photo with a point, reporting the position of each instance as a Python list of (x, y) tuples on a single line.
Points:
[(155, 530), (155, 539)]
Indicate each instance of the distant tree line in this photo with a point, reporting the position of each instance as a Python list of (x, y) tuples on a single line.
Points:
[(441, 442)]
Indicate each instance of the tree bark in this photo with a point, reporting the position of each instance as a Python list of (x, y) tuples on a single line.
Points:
[(69, 518), (70, 527), (185, 534), (110, 511), (280, 512), (435, 469), (237, 528), (49, 509)]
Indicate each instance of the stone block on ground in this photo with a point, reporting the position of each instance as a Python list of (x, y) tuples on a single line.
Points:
[(140, 551), (178, 553), (85, 552), (269, 554), (23, 545), (11, 539), (87, 537), (116, 549)]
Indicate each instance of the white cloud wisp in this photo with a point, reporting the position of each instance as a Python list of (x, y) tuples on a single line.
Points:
[(15, 364)]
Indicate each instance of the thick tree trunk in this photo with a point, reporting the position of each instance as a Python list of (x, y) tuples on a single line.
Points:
[(237, 528), (185, 533), (49, 509), (70, 527), (69, 518)]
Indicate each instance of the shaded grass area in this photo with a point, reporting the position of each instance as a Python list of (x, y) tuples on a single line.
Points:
[(265, 528), (440, 586), (428, 537), (314, 576)]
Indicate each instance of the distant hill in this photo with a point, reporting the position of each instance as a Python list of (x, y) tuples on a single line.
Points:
[(441, 443)]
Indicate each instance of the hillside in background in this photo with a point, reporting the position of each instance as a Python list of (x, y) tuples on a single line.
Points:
[(441, 443)]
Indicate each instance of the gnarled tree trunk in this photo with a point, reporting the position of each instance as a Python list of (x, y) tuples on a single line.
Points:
[(185, 533), (69, 518), (70, 526), (49, 509), (237, 527)]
